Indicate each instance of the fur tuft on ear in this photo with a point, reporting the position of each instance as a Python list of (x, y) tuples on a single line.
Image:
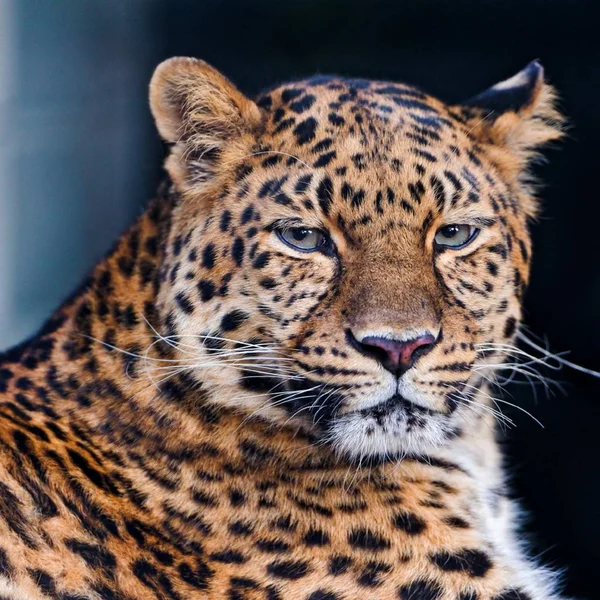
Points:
[(518, 115), (203, 114)]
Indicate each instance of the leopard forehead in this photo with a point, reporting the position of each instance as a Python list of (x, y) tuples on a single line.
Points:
[(370, 154)]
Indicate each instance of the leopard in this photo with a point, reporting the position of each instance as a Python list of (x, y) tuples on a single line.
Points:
[(276, 386)]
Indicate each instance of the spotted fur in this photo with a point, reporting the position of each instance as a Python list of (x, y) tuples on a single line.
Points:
[(198, 420)]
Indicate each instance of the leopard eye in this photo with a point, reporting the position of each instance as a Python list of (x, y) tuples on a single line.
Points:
[(303, 238), (455, 236)]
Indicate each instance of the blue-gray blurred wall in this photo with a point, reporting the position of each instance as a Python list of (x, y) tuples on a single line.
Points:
[(78, 151)]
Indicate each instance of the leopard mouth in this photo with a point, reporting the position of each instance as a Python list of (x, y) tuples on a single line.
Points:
[(393, 405), (324, 405)]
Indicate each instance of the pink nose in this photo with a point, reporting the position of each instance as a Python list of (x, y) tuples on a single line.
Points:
[(394, 355)]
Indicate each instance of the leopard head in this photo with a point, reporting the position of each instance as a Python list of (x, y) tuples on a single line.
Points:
[(348, 255)]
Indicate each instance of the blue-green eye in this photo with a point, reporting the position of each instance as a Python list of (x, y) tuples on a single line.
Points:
[(303, 238), (455, 236)]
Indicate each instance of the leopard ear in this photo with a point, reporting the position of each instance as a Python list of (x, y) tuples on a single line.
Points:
[(202, 113), (518, 114)]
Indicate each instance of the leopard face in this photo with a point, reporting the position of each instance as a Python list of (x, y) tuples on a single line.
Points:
[(348, 255)]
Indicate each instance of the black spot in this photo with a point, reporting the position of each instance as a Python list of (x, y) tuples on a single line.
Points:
[(285, 523), (289, 94), (336, 119), (184, 303), (426, 155), (288, 569), (346, 191), (371, 574), (197, 577), (44, 581), (271, 160), (241, 528), (358, 198), (474, 562), (242, 582), (324, 194), (236, 498), (283, 125), (457, 522), (420, 589), (283, 199), (271, 187), (243, 171), (338, 565), (208, 256), (438, 192), (366, 539), (247, 215), (265, 102), (510, 327), (126, 266), (204, 498), (233, 320), (408, 103), (316, 537), (254, 383), (512, 595), (325, 159), (95, 556), (303, 183), (262, 260), (409, 523), (5, 566), (272, 546), (492, 268), (23, 383), (416, 191), (96, 477), (225, 221), (322, 146), (305, 131), (177, 246), (229, 557), (322, 595), (268, 283), (303, 104), (207, 290), (237, 251)]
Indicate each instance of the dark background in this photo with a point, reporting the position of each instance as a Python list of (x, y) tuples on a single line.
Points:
[(90, 62)]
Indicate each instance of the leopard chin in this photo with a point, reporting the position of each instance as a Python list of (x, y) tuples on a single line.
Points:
[(389, 431)]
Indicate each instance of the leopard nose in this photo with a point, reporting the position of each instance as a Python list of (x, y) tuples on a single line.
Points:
[(396, 356)]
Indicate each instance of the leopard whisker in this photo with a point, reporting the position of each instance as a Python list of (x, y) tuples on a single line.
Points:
[(558, 357)]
